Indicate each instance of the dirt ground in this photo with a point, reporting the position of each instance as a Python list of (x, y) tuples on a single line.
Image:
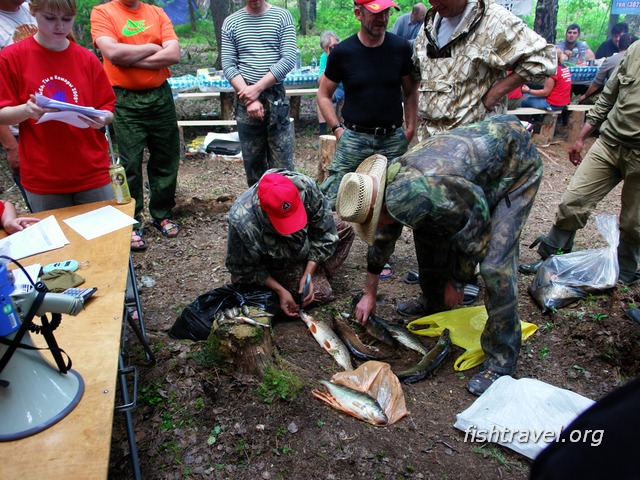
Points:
[(194, 421)]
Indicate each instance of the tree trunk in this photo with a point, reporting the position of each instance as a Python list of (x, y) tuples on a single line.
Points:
[(613, 19), (192, 15), (304, 16), (546, 19), (220, 9), (327, 151), (313, 10)]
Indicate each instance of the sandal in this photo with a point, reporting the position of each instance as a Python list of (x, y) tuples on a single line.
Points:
[(412, 277), (167, 227), (389, 271), (138, 243)]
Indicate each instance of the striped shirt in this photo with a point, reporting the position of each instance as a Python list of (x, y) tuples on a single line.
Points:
[(253, 45)]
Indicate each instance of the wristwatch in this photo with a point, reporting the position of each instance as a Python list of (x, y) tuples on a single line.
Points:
[(335, 127)]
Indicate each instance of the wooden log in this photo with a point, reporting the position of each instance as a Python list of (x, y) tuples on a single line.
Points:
[(576, 122), (548, 127), (226, 105), (326, 153), (238, 347), (294, 107)]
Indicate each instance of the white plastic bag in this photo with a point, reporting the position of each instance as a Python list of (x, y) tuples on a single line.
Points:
[(524, 415), (563, 279)]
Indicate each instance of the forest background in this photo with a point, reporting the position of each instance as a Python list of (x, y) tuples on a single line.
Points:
[(202, 34)]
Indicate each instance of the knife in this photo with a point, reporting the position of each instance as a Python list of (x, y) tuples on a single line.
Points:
[(305, 289)]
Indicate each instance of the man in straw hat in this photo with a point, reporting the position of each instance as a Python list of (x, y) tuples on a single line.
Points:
[(466, 194), (281, 229)]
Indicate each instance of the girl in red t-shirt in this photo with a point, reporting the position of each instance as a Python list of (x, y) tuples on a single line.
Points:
[(556, 93)]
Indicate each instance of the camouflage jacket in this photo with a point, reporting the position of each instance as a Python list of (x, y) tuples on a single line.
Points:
[(253, 245), (449, 184), (488, 41), (618, 107)]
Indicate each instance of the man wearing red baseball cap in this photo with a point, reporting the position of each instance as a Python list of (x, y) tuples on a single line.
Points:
[(282, 229)]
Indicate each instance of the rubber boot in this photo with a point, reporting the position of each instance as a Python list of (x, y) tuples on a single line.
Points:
[(558, 241), (628, 255)]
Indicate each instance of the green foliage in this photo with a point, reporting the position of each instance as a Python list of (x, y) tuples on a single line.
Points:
[(82, 28), (279, 384)]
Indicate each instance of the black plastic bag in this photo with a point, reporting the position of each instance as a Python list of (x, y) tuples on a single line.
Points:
[(194, 323)]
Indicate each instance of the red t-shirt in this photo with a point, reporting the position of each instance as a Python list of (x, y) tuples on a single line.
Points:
[(561, 93), (56, 157)]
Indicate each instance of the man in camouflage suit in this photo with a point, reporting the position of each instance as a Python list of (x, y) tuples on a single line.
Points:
[(461, 59), (258, 252), (466, 194)]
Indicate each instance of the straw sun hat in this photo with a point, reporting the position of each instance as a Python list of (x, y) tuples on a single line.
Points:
[(360, 196)]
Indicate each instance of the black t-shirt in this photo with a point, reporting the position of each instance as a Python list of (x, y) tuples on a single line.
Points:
[(607, 49), (372, 79)]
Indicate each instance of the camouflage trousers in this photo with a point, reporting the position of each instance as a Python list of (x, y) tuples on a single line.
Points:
[(502, 335), (289, 274), (266, 143), (352, 149), (147, 118)]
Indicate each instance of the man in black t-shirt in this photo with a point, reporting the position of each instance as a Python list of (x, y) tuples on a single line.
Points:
[(375, 69)]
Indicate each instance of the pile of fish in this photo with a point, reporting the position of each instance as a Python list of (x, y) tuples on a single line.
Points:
[(341, 342), (245, 314)]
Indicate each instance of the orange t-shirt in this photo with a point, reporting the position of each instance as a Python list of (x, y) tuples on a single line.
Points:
[(145, 24)]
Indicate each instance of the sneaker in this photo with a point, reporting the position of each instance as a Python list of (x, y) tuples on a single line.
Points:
[(471, 293), (482, 380), (412, 308), (530, 268)]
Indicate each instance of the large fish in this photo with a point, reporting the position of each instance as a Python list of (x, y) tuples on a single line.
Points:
[(400, 335), (357, 404), (432, 360), (328, 340), (351, 340)]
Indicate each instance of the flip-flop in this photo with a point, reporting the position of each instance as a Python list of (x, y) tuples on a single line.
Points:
[(412, 277), (471, 292), (167, 225), (136, 237), (388, 268)]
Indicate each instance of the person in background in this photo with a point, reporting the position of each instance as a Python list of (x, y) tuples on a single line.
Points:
[(282, 229), (375, 69), (258, 51), (611, 45), (462, 57), (16, 23), (514, 98), (408, 25), (556, 92), (466, 194), (138, 44), (328, 40), (10, 221), (60, 164), (613, 158), (575, 50), (607, 68)]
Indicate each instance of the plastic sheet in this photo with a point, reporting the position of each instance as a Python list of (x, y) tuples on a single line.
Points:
[(563, 279), (465, 326), (524, 415), (194, 323)]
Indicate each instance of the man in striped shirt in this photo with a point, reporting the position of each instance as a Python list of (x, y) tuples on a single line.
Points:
[(258, 50)]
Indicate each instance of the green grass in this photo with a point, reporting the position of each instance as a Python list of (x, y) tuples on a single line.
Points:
[(279, 384)]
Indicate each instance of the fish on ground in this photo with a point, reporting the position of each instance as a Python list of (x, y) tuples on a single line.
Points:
[(351, 340), (328, 340), (430, 362), (399, 334), (352, 402)]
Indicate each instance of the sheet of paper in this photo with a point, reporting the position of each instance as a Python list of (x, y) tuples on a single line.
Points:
[(99, 222), (229, 137), (46, 102), (72, 118), (40, 237), (21, 278)]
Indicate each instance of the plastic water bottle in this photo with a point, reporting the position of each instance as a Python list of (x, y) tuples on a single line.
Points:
[(314, 63), (574, 54), (298, 59)]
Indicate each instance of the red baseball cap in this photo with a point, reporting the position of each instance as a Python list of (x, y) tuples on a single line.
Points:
[(375, 6), (281, 201)]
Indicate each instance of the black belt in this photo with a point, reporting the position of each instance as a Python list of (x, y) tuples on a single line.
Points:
[(378, 131)]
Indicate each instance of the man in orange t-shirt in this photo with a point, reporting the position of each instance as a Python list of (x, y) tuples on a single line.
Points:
[(138, 44)]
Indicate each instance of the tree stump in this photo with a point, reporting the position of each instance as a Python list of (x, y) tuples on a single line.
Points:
[(239, 347), (326, 153), (226, 105)]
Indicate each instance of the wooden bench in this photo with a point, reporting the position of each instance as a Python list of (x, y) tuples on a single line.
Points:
[(549, 119), (576, 120)]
